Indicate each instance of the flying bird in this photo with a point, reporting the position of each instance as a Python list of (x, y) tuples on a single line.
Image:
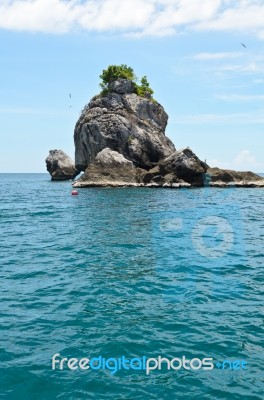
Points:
[(70, 95), (244, 45)]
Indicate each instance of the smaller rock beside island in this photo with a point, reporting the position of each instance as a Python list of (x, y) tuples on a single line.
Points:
[(217, 177), (60, 166)]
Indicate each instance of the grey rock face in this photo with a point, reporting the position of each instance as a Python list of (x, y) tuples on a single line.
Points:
[(122, 86), (181, 167), (60, 166), (184, 165), (131, 125), (112, 160), (109, 168)]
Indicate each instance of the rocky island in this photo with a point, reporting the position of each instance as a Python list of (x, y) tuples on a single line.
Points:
[(120, 141)]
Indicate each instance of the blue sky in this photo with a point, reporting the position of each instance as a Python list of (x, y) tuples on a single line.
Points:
[(210, 85)]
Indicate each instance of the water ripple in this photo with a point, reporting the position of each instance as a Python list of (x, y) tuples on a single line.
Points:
[(99, 274)]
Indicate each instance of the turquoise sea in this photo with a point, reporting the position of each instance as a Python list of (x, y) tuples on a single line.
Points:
[(134, 273)]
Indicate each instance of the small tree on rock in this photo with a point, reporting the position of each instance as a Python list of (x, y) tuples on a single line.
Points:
[(144, 90)]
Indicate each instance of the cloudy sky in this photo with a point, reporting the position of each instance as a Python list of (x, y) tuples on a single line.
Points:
[(211, 86)]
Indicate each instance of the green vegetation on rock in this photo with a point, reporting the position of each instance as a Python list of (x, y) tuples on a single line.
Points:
[(114, 72), (144, 90)]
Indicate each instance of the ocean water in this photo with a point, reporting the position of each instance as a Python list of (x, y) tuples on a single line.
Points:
[(130, 272)]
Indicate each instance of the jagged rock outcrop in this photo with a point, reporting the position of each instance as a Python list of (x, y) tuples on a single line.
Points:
[(122, 86), (224, 177), (60, 166), (109, 168), (184, 164), (124, 122), (180, 167)]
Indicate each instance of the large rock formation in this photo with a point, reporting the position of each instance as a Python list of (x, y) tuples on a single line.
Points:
[(124, 122), (60, 166), (120, 141), (133, 127)]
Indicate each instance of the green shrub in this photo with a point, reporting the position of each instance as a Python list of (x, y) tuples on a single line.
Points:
[(113, 72), (144, 90)]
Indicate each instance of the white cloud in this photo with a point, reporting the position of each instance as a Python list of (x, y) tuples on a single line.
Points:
[(247, 160), (114, 14), (134, 17), (244, 16), (240, 97), (244, 161), (38, 15), (251, 67), (216, 56), (177, 14)]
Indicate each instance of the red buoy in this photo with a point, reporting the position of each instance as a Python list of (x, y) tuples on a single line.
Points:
[(74, 193)]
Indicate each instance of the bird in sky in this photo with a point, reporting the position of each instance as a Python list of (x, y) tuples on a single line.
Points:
[(70, 95), (244, 45)]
